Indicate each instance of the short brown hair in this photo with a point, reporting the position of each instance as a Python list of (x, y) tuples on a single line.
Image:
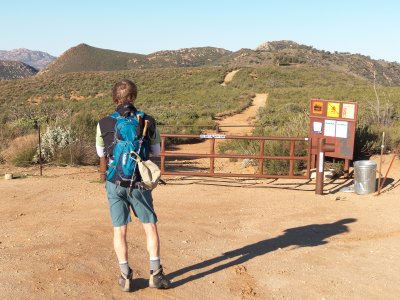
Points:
[(124, 91)]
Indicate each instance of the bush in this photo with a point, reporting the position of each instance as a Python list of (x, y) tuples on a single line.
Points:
[(53, 139), (366, 142), (77, 153), (24, 157), (21, 150)]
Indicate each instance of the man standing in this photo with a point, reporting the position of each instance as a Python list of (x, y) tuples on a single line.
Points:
[(124, 195)]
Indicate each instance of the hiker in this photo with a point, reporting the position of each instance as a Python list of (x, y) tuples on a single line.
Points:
[(125, 193)]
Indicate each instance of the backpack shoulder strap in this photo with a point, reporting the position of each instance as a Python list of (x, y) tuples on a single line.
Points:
[(115, 115), (140, 113)]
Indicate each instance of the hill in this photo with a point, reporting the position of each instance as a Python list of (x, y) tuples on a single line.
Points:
[(282, 53), (87, 58), (186, 57), (15, 70), (36, 59)]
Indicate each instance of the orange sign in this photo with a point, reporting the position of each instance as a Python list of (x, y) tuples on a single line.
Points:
[(317, 107)]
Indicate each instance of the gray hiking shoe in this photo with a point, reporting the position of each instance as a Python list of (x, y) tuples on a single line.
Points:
[(125, 282), (158, 279)]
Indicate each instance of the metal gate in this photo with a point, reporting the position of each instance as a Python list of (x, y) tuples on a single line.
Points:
[(212, 155)]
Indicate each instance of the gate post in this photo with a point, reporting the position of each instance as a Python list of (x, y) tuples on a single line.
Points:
[(162, 155), (212, 152), (322, 148)]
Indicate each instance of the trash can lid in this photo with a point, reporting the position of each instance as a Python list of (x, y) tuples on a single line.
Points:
[(364, 163)]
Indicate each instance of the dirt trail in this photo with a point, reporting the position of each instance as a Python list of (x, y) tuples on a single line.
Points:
[(246, 117), (229, 77)]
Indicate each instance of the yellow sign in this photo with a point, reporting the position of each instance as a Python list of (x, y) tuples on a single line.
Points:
[(333, 110), (317, 107)]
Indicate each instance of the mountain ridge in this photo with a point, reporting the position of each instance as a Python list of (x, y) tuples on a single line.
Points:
[(15, 70), (36, 59), (83, 58)]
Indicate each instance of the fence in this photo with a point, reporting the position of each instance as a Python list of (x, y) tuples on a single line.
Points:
[(212, 155)]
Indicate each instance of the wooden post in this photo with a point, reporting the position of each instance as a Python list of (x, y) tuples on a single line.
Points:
[(261, 161), (162, 155), (291, 161), (319, 185), (212, 151), (322, 148), (40, 149)]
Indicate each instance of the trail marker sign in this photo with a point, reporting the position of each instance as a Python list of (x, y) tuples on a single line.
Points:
[(336, 122)]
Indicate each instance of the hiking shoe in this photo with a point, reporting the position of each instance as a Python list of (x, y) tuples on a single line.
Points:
[(158, 279), (125, 282)]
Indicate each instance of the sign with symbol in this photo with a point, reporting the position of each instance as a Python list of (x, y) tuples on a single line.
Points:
[(333, 110), (348, 111), (336, 122), (317, 107)]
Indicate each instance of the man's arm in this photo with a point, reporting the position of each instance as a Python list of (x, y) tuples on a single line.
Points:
[(155, 147), (100, 152)]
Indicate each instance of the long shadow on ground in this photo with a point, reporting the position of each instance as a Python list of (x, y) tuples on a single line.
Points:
[(305, 236)]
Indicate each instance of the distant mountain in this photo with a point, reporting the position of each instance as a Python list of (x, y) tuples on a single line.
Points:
[(36, 59), (15, 70), (282, 53)]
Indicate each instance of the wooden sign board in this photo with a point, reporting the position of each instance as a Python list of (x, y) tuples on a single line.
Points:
[(335, 121)]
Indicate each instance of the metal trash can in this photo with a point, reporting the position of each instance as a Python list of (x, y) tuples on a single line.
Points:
[(364, 177)]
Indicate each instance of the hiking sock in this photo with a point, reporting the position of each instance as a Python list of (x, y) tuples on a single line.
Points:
[(124, 267), (154, 264)]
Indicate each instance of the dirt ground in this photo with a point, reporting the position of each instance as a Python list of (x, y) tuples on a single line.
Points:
[(220, 238)]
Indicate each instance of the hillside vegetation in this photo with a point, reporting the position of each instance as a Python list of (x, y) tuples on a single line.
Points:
[(194, 96), (282, 53)]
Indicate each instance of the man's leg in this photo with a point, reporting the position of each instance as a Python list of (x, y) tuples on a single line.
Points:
[(121, 247), (153, 241), (157, 277), (121, 250)]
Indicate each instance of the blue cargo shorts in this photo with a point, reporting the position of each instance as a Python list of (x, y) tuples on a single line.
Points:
[(120, 202)]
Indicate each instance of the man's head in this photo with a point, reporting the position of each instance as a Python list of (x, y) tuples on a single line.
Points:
[(124, 92)]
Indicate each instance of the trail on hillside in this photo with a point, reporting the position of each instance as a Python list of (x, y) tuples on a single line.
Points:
[(247, 117), (229, 77)]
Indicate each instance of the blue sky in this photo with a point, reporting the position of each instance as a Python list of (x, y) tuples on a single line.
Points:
[(145, 26)]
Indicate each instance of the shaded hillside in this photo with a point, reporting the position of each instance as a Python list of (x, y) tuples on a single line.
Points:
[(15, 70), (86, 58), (36, 59)]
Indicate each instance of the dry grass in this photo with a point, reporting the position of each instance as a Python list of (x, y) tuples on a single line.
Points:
[(21, 150)]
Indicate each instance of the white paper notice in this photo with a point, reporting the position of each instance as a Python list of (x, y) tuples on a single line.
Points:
[(317, 127), (348, 111), (341, 129), (330, 127)]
